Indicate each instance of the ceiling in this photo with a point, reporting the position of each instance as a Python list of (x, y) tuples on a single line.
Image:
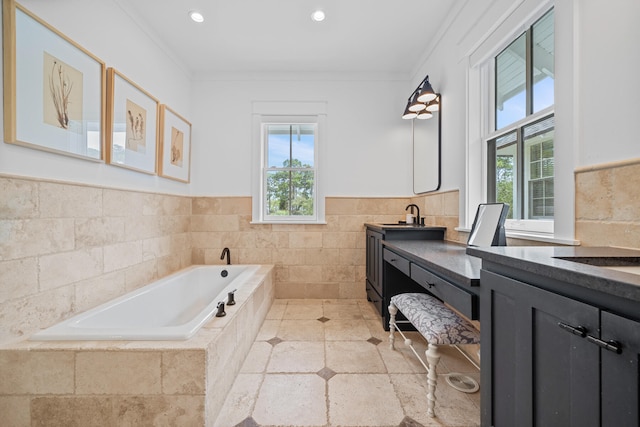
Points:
[(374, 36)]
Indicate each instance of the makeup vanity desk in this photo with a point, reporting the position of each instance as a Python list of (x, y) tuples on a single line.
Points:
[(421, 262)]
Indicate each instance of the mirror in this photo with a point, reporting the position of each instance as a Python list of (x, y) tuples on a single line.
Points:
[(488, 225), (426, 153)]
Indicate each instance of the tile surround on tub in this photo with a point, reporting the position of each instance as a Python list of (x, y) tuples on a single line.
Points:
[(136, 382)]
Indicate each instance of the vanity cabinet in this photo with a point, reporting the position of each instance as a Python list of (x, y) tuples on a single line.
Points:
[(550, 359), (379, 277)]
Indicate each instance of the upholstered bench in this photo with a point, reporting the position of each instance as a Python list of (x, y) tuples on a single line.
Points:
[(438, 324)]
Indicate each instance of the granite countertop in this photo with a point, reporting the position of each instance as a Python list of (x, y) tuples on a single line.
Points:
[(447, 259), (554, 262)]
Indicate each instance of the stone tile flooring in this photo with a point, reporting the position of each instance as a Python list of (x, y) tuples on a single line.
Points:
[(328, 363)]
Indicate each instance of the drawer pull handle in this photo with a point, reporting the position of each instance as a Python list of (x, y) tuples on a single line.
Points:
[(430, 285), (610, 345), (393, 260), (580, 331)]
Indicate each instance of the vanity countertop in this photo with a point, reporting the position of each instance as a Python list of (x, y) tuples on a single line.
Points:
[(612, 271), (402, 227)]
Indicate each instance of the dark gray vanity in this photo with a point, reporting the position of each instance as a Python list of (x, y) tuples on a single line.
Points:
[(560, 336), (560, 326), (402, 258)]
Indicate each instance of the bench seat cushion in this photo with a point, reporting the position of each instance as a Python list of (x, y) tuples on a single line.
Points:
[(435, 321)]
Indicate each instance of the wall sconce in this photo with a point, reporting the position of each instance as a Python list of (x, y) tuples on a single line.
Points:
[(422, 102)]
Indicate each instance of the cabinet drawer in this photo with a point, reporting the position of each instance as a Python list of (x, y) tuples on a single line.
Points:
[(458, 298), (397, 261)]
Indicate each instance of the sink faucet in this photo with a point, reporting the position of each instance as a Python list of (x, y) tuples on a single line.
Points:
[(226, 252), (413, 205)]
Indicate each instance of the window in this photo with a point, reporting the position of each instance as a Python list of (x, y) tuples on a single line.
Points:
[(523, 165), (520, 151), (288, 158), (289, 173)]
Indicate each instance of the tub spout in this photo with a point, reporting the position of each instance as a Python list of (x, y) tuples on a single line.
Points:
[(226, 252), (221, 312)]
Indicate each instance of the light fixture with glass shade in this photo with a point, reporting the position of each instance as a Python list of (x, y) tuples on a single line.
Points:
[(408, 114), (423, 101), (426, 93), (434, 105), (424, 115)]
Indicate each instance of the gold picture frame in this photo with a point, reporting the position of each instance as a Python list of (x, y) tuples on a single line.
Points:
[(54, 90), (132, 125), (174, 153)]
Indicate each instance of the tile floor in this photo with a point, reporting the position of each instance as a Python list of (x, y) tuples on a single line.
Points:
[(328, 363)]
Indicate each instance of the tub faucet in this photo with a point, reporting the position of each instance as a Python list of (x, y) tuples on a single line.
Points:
[(417, 218), (226, 252), (231, 300), (220, 307)]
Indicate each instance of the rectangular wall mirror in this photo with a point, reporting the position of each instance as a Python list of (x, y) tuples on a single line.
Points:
[(426, 154)]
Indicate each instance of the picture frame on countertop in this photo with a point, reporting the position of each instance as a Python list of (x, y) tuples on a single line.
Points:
[(132, 125), (174, 152), (54, 89)]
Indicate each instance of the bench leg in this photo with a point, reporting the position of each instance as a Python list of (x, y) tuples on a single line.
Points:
[(393, 310), (433, 357)]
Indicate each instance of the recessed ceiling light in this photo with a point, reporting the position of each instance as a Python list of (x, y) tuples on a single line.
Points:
[(196, 16), (318, 16)]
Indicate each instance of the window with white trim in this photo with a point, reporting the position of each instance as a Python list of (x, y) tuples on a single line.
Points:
[(289, 173), (288, 156), (520, 160)]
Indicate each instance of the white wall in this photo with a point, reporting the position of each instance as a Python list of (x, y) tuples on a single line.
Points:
[(609, 86), (368, 144), (107, 31)]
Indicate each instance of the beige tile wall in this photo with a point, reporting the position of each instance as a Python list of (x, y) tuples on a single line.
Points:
[(312, 261), (442, 209), (608, 204), (65, 248)]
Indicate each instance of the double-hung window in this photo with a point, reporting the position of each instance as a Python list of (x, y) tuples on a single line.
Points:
[(288, 158), (289, 172), (520, 150)]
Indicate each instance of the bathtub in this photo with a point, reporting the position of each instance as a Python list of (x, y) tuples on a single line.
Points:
[(172, 308)]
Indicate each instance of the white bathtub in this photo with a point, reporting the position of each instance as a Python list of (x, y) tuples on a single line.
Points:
[(172, 308)]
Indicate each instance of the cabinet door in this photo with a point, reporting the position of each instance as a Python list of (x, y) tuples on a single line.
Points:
[(374, 259), (620, 373), (541, 371)]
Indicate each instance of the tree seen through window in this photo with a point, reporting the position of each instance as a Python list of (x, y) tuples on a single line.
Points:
[(290, 175)]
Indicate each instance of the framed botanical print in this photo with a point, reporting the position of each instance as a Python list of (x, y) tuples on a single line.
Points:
[(132, 124), (174, 158), (54, 90)]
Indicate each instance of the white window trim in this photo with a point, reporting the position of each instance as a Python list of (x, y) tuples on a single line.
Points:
[(265, 112), (480, 128)]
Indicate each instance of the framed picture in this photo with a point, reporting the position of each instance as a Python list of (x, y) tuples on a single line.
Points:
[(132, 125), (54, 90), (174, 158)]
